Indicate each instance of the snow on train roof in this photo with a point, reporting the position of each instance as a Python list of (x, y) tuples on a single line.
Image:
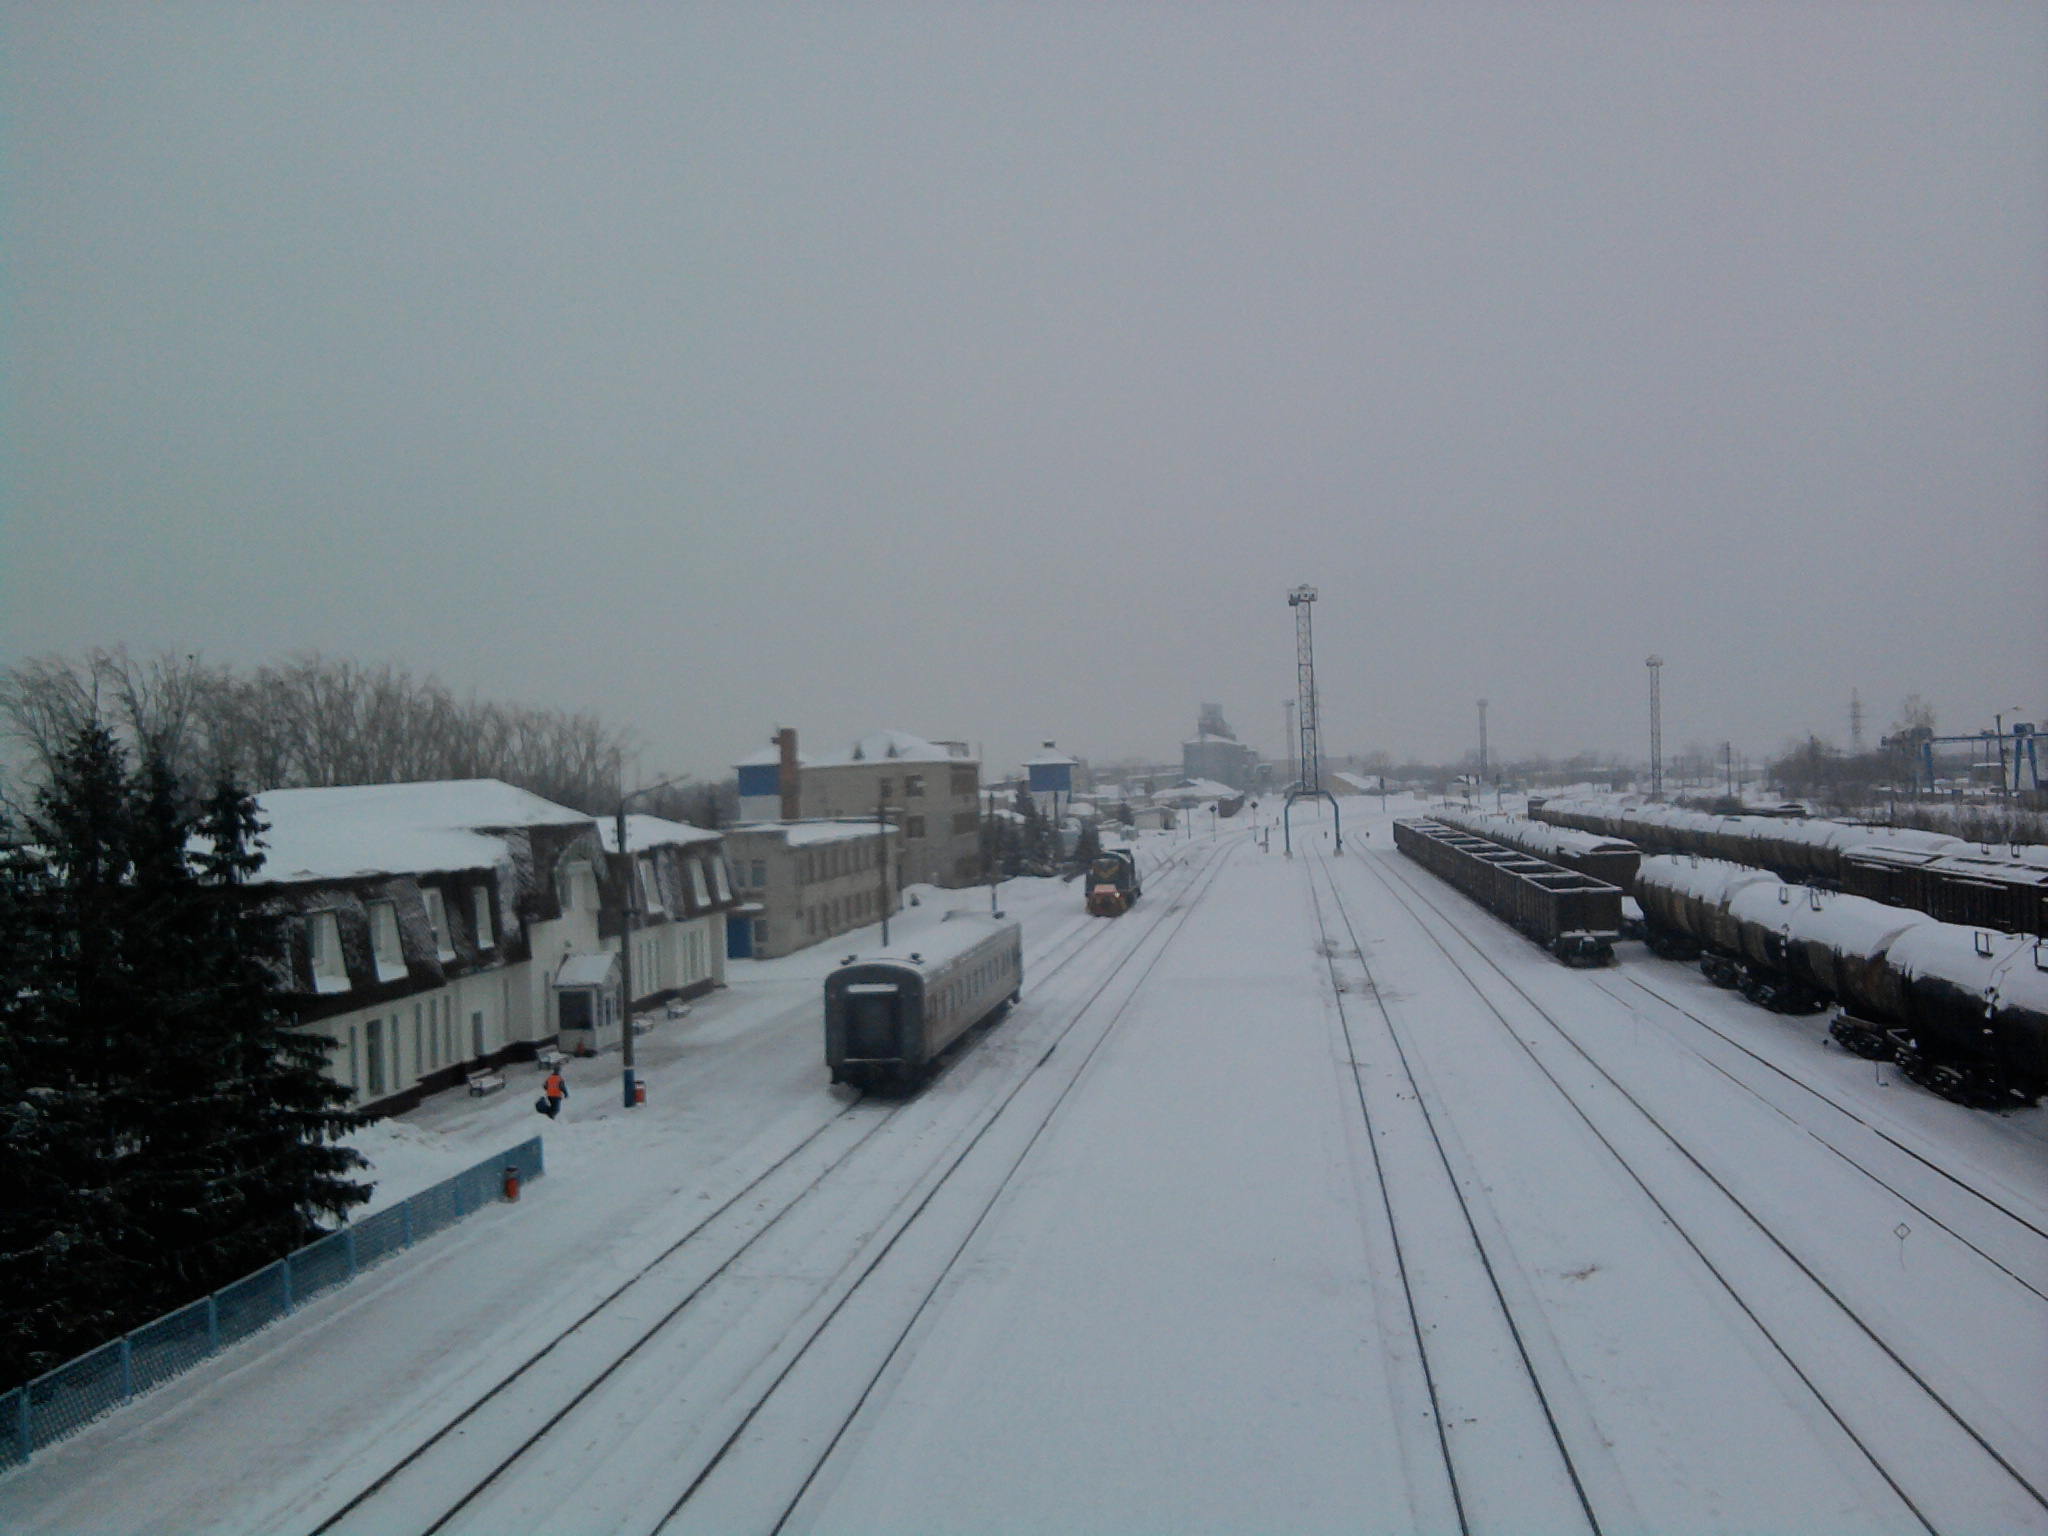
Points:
[(1537, 836), (1713, 881), (369, 829), (1845, 924), (957, 933), (2010, 974), (1850, 925), (1848, 836)]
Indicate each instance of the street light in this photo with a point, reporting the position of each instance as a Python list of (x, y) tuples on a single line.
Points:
[(628, 1087)]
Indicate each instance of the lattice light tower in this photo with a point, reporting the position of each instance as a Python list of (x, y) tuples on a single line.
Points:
[(1309, 726), (1656, 666), (1302, 601)]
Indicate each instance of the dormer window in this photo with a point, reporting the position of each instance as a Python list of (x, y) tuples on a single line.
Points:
[(486, 936), (384, 943), (323, 940), (650, 888), (437, 919), (697, 889)]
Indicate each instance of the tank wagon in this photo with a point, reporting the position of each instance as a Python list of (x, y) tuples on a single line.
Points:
[(1613, 859), (1964, 1011), (1113, 886), (1996, 887), (888, 1017), (1574, 916)]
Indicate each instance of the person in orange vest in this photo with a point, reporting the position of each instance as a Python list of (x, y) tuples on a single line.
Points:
[(553, 1091)]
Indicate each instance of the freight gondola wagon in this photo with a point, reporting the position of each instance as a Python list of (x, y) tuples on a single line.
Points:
[(1574, 916)]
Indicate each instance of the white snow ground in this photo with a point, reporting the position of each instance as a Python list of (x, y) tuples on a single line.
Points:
[(1306, 1196)]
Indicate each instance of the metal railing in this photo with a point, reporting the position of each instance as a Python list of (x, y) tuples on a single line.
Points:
[(65, 1400)]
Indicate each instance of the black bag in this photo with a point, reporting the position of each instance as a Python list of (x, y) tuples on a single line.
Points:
[(540, 1105)]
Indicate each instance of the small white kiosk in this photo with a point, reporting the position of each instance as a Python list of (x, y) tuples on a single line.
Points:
[(587, 1003)]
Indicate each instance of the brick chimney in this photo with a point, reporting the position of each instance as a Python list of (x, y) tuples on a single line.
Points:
[(791, 786)]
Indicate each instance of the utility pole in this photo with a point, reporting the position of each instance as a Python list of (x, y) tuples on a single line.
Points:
[(992, 854), (1656, 666), (1293, 773), (1855, 722), (1482, 742), (629, 1091), (1728, 754), (882, 856)]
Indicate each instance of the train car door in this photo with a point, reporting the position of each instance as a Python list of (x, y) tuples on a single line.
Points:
[(874, 1021)]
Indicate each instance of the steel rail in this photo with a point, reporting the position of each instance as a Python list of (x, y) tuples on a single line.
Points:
[(1464, 1208), (1692, 1158), (1090, 934)]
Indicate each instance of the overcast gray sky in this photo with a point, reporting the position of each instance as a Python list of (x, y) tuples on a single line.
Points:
[(992, 371)]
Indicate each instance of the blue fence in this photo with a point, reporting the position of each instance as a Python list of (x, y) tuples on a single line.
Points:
[(62, 1401)]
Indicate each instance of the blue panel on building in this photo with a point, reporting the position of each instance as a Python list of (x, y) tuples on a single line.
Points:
[(1049, 778), (739, 938), (760, 779)]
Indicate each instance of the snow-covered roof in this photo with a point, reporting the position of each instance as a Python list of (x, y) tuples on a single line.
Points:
[(767, 757), (804, 834), (645, 832), (891, 746), (589, 970), (1193, 791), (1051, 760), (933, 947), (369, 829)]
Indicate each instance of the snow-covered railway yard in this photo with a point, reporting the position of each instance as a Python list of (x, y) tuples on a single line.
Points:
[(1305, 1196)]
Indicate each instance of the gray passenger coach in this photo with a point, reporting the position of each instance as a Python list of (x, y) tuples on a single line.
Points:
[(889, 1016)]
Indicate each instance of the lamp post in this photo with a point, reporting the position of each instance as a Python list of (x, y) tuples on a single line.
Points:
[(629, 883)]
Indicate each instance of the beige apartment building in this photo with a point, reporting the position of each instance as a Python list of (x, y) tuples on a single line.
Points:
[(929, 790), (806, 881)]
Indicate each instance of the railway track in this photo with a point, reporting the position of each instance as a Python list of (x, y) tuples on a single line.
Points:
[(463, 1473), (2014, 1244), (1948, 1472), (1529, 1475)]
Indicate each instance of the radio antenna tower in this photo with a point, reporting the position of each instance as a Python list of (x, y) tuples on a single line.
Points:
[(1656, 666), (1310, 784)]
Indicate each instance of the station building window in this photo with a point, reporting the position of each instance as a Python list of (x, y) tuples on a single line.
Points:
[(486, 938)]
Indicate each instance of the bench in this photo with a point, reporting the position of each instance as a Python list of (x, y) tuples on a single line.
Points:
[(549, 1058), (481, 1083)]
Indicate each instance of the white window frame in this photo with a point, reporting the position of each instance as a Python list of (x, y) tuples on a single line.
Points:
[(437, 919), (387, 949), (480, 903), (323, 943)]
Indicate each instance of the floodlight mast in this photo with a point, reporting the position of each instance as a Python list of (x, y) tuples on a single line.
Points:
[(1310, 784)]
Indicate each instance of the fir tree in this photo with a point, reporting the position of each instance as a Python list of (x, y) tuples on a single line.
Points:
[(1088, 846), (165, 1129)]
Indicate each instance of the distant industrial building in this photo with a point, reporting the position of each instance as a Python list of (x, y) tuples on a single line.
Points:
[(1214, 752), (930, 791)]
